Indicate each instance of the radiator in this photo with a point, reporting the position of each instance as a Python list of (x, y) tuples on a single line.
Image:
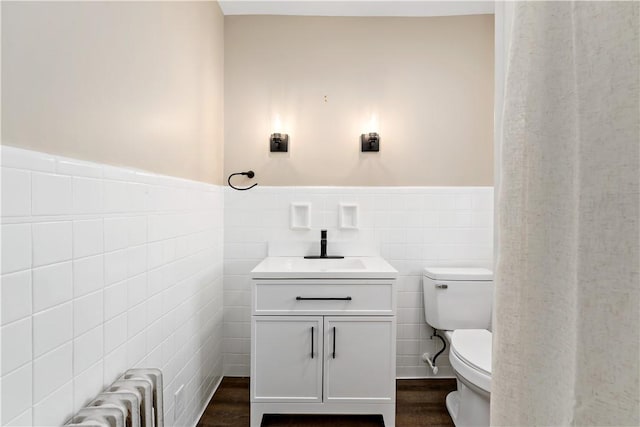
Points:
[(134, 400)]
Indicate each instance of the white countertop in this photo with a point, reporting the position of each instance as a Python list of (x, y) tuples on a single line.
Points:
[(346, 268)]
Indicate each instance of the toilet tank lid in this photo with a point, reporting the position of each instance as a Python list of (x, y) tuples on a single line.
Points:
[(458, 273)]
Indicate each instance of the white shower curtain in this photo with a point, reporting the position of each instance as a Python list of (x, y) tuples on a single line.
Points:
[(566, 335)]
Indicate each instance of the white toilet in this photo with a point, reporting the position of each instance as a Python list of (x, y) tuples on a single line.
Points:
[(458, 301)]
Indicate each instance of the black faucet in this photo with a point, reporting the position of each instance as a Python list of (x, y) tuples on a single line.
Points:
[(323, 248), (323, 243)]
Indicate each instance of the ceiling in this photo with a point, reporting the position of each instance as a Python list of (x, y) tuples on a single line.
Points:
[(356, 7)]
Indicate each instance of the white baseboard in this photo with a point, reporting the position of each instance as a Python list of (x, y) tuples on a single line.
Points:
[(204, 408)]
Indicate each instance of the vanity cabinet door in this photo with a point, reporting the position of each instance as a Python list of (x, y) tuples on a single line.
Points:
[(283, 367), (360, 359)]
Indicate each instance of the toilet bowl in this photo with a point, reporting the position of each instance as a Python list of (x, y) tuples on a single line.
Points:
[(458, 301), (470, 357)]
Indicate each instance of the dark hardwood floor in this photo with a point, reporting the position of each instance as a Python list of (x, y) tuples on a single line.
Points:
[(418, 403)]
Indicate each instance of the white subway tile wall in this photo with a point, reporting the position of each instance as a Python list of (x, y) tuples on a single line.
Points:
[(105, 269), (412, 227)]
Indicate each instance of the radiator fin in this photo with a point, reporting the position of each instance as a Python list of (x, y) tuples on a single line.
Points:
[(134, 400)]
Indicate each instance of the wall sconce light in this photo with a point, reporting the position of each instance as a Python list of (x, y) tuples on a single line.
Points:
[(370, 141), (279, 142)]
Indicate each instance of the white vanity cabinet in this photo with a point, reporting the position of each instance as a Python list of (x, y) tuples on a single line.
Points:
[(323, 346)]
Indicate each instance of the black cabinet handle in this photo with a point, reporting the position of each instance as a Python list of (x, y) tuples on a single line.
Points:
[(312, 342), (323, 299), (334, 342)]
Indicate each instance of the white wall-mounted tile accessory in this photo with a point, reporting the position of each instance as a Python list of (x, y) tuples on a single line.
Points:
[(300, 216), (348, 216)]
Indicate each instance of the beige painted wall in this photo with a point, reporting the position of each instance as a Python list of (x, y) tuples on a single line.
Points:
[(425, 84), (137, 84)]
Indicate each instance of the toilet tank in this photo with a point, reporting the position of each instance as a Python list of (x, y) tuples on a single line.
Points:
[(458, 298)]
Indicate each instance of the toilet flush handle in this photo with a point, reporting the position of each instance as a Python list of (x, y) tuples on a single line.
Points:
[(441, 286)]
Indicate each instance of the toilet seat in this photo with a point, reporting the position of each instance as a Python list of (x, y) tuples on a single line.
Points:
[(470, 356)]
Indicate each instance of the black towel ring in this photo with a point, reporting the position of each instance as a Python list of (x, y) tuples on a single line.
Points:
[(250, 174)]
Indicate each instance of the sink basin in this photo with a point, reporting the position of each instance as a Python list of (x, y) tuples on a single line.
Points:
[(301, 268), (333, 264)]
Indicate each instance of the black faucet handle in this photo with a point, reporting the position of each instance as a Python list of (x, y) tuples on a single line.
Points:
[(323, 234)]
